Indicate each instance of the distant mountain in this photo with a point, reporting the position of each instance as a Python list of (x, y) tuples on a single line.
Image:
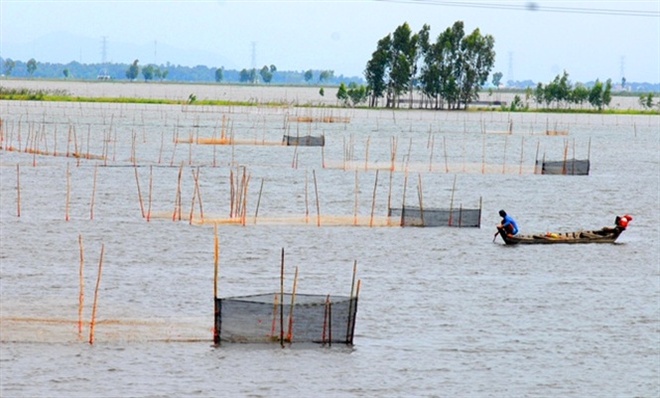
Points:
[(63, 47)]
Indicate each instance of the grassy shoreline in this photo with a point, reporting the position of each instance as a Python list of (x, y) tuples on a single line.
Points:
[(22, 94)]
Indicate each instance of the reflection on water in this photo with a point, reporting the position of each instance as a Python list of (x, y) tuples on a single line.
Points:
[(443, 311)]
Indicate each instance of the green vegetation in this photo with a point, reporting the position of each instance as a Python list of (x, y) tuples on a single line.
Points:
[(448, 73), (63, 96)]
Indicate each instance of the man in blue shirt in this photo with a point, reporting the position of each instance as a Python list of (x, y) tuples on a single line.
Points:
[(508, 223)]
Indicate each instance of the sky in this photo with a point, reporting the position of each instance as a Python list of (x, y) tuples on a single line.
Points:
[(534, 40)]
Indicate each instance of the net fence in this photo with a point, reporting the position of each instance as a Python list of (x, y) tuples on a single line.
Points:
[(273, 317), (307, 140), (411, 216), (567, 167)]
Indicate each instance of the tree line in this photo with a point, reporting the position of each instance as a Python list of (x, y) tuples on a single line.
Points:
[(447, 72), (151, 72)]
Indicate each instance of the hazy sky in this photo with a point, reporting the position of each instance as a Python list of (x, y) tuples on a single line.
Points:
[(533, 40)]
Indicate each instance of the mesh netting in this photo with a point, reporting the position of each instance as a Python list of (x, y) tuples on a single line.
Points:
[(568, 167), (430, 217), (307, 140), (315, 318)]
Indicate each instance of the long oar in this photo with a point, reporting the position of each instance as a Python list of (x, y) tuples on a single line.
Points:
[(495, 236)]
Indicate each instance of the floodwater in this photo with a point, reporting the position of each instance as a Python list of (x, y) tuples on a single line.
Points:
[(128, 190)]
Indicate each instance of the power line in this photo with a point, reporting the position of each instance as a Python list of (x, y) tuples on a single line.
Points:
[(532, 6)]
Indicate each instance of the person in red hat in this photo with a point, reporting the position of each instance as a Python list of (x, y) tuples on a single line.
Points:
[(622, 222)]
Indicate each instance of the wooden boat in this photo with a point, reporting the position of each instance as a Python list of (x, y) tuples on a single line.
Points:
[(604, 235)]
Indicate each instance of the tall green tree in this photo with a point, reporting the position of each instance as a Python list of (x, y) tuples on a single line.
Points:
[(377, 70), (478, 58), (266, 74), (596, 95), (148, 72), (219, 74), (133, 71), (403, 57), (31, 66), (308, 75), (9, 66), (497, 78), (326, 75)]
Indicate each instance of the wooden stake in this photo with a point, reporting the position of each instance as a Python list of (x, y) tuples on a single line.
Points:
[(522, 148), (92, 324), (81, 293)]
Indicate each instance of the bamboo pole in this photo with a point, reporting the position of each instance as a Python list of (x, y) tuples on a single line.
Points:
[(256, 212), (420, 194), (373, 201), (536, 158), (245, 198), (325, 318), (216, 259), (217, 325), (289, 335), (355, 205), (92, 324), (389, 198), (81, 292), (151, 189), (91, 206), (432, 138), (137, 182), (350, 298), (194, 196), (403, 201), (451, 202), (357, 294), (18, 190), (318, 206), (177, 200), (282, 300), (68, 193), (306, 198)]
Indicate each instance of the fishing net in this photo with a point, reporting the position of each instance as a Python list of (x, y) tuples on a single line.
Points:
[(565, 167), (411, 216), (307, 140), (273, 318)]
